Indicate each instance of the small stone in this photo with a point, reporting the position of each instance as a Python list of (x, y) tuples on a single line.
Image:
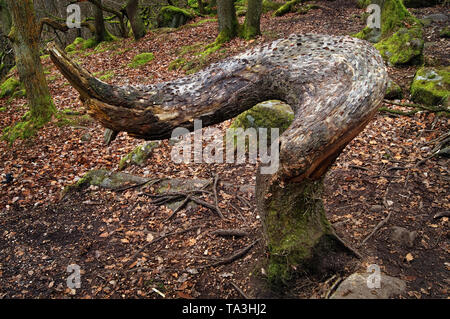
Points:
[(403, 236), (86, 137), (376, 208), (356, 287)]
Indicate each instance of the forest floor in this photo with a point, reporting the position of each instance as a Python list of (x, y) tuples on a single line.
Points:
[(109, 234)]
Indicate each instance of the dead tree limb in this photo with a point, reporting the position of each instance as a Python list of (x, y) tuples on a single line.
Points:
[(334, 85)]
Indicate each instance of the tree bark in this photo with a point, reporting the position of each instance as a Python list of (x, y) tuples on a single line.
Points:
[(252, 19), (100, 29), (334, 85), (137, 25), (228, 23), (25, 41), (99, 4)]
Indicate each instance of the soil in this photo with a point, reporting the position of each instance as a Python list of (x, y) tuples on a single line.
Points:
[(109, 233)]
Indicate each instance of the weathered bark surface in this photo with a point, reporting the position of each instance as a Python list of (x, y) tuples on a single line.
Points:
[(25, 41), (137, 25), (333, 84)]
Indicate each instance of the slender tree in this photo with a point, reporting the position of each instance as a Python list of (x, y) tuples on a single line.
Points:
[(252, 22), (137, 25), (24, 37), (228, 22), (100, 28)]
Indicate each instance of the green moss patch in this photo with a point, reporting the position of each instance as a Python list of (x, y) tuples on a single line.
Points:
[(138, 156), (173, 17), (393, 91), (404, 47), (400, 38), (9, 87), (141, 59), (269, 5), (286, 8), (431, 86), (269, 114), (295, 223)]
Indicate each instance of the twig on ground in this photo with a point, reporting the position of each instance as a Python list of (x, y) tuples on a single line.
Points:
[(216, 179), (239, 290), (380, 224), (186, 200), (161, 238), (229, 233), (241, 253)]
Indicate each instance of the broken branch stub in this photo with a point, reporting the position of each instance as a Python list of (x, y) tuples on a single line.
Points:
[(334, 84)]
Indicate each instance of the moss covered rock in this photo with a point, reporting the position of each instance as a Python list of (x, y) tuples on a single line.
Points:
[(173, 17), (393, 91), (431, 86), (268, 5), (400, 38), (141, 59), (404, 47), (286, 8), (269, 114), (138, 156), (106, 179), (9, 87)]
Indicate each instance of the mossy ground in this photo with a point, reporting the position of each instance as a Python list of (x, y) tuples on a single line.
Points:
[(80, 44), (431, 86), (200, 53), (31, 121), (141, 59), (404, 47), (9, 87), (286, 8)]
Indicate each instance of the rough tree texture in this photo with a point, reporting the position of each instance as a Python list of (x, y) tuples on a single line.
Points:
[(228, 22), (25, 41), (334, 85), (137, 25), (252, 23)]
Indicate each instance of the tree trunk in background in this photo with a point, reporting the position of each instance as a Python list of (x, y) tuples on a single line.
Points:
[(25, 41), (6, 54), (201, 7), (100, 29), (252, 19), (137, 25), (228, 23)]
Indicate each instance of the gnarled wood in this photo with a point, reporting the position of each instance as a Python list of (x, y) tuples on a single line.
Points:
[(334, 85)]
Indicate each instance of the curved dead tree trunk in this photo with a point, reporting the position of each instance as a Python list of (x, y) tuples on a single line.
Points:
[(334, 85)]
